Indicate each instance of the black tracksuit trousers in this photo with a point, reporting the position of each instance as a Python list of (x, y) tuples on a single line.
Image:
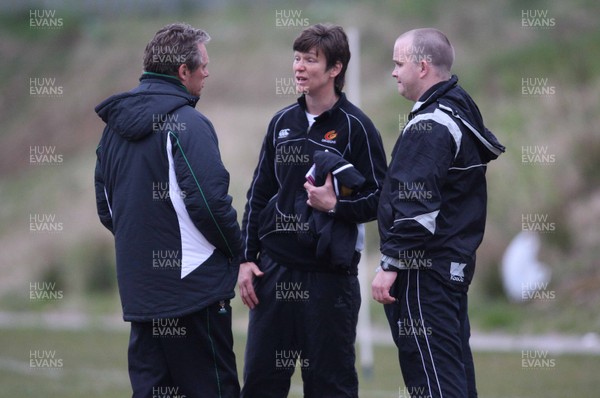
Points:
[(430, 326), (189, 357), (305, 321)]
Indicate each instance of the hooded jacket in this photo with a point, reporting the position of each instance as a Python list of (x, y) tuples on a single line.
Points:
[(432, 209), (162, 190)]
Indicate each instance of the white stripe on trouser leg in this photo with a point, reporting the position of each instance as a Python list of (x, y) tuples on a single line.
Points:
[(412, 328), (425, 334)]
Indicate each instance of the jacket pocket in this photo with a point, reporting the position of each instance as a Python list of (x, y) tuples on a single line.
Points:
[(303, 213), (266, 218)]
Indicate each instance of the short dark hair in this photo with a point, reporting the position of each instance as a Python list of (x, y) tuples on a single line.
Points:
[(436, 45), (172, 46), (332, 41)]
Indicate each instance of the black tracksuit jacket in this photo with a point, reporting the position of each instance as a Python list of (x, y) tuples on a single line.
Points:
[(432, 209), (277, 219)]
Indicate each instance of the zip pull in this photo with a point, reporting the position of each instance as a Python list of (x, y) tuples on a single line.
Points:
[(222, 310)]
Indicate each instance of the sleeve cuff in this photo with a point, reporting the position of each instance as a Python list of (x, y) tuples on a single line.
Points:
[(388, 263)]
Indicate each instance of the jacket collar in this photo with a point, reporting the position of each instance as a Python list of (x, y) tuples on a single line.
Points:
[(330, 111), (161, 76), (433, 93), (172, 81)]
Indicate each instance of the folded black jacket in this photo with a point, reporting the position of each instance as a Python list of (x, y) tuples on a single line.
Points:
[(336, 238)]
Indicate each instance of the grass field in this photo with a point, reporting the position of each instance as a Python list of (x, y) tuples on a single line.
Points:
[(93, 363), (98, 54)]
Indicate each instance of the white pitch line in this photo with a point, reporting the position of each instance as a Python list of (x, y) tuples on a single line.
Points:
[(587, 344)]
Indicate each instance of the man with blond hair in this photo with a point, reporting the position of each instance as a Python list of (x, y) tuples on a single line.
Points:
[(162, 190)]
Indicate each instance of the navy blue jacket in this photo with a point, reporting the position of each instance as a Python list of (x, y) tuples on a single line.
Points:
[(162, 190), (277, 219), (432, 209)]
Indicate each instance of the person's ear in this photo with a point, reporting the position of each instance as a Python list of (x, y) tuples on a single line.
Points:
[(424, 68), (183, 72), (335, 69)]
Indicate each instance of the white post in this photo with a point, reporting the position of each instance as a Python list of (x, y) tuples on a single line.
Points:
[(364, 333)]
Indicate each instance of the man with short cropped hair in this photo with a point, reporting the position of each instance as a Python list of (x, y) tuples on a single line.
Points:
[(431, 219), (162, 190), (302, 242)]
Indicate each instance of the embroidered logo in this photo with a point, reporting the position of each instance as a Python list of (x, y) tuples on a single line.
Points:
[(283, 133), (330, 137), (457, 273)]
